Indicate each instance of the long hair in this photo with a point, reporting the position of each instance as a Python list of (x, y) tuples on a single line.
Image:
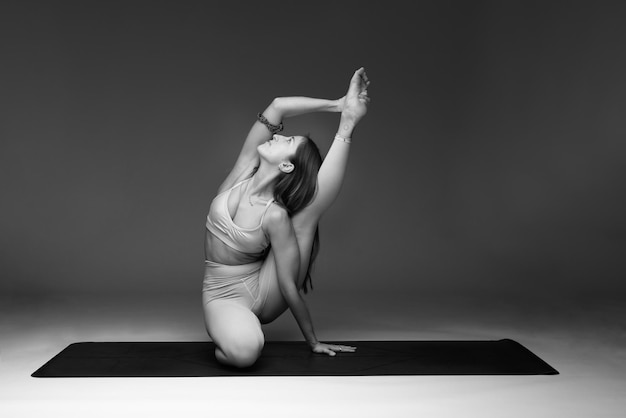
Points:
[(295, 190)]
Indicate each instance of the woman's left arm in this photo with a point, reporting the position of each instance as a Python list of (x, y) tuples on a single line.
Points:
[(287, 255)]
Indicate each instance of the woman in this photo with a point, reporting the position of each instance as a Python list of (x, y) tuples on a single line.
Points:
[(262, 226)]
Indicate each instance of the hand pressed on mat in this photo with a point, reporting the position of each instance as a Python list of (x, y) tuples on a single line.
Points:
[(332, 349)]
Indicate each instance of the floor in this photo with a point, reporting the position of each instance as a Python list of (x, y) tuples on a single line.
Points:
[(586, 343)]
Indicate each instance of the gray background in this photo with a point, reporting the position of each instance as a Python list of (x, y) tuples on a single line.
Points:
[(491, 163)]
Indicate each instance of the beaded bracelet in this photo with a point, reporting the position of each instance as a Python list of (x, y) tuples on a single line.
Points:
[(343, 139), (271, 127)]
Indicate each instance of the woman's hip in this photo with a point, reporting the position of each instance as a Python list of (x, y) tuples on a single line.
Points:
[(236, 283)]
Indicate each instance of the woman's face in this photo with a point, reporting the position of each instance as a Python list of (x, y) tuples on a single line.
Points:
[(280, 149)]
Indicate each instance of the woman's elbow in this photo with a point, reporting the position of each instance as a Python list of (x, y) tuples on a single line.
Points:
[(275, 110), (278, 104), (289, 291)]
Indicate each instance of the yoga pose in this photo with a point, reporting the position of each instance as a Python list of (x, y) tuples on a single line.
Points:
[(262, 227)]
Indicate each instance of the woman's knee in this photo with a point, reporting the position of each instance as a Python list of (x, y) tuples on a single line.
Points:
[(241, 351), (236, 331)]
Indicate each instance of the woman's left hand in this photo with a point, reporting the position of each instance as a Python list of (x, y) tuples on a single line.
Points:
[(332, 349)]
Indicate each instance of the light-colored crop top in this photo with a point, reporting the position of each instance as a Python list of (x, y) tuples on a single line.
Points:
[(220, 224)]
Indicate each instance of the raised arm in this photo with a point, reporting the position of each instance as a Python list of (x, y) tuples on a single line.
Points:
[(332, 172), (271, 120)]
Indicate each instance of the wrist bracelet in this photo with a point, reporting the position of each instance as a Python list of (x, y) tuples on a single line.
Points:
[(343, 139), (270, 127)]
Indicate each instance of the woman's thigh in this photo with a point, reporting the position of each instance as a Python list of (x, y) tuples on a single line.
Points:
[(271, 303), (232, 326)]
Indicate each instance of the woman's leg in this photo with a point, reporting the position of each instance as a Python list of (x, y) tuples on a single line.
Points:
[(270, 302), (236, 332)]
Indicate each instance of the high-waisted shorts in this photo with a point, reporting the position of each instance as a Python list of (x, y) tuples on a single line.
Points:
[(238, 283)]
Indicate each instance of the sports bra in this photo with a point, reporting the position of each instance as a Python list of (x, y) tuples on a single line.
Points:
[(220, 224)]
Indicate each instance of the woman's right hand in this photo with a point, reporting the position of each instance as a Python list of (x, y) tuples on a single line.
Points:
[(354, 103)]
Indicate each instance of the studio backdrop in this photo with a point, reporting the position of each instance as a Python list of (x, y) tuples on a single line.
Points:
[(492, 157)]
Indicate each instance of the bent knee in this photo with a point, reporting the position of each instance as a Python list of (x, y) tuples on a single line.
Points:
[(241, 353)]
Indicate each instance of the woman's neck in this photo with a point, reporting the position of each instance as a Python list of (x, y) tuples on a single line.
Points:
[(263, 181)]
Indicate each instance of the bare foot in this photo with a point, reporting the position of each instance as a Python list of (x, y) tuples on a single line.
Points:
[(356, 100)]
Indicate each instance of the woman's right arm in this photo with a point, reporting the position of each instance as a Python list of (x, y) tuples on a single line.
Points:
[(248, 157), (276, 111)]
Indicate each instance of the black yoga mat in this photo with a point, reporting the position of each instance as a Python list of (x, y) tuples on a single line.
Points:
[(289, 358)]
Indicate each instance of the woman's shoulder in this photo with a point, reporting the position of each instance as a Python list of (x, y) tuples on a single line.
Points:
[(277, 212), (276, 216), (235, 178)]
